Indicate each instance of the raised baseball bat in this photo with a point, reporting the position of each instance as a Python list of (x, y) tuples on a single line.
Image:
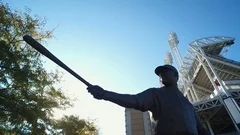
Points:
[(48, 54)]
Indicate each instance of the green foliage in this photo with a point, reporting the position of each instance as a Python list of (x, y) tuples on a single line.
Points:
[(27, 91), (72, 125)]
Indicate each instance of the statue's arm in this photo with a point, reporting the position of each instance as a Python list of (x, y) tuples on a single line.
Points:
[(141, 101), (124, 100)]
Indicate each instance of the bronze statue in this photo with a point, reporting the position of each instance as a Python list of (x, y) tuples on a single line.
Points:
[(174, 114)]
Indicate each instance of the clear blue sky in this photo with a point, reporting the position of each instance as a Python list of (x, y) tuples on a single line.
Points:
[(118, 44)]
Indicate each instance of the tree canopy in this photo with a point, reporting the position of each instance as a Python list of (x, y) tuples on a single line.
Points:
[(28, 92), (72, 125)]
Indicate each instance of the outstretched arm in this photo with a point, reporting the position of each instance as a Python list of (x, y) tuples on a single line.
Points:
[(124, 100)]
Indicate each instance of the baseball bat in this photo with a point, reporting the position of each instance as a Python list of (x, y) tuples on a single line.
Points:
[(40, 48)]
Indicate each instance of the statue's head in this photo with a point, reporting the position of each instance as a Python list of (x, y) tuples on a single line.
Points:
[(168, 74)]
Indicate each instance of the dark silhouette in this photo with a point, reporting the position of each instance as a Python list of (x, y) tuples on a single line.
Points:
[(174, 114)]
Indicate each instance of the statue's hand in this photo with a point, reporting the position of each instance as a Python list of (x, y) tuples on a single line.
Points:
[(97, 91)]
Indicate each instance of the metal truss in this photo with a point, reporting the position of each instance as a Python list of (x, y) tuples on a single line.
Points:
[(204, 105), (215, 102), (236, 95)]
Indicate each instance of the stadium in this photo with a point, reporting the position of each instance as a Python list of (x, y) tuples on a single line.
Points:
[(210, 81)]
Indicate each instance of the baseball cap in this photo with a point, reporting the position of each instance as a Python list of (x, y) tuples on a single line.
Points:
[(159, 69)]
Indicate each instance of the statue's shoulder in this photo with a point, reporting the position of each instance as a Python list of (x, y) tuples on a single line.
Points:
[(155, 89)]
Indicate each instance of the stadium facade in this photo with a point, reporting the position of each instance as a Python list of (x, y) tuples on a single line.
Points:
[(210, 81)]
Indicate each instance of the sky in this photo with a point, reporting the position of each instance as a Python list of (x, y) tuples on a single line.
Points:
[(117, 44)]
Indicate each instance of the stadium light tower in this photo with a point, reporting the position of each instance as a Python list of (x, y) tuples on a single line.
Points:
[(168, 58), (173, 43)]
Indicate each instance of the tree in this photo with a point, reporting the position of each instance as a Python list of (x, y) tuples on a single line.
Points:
[(28, 92), (72, 125)]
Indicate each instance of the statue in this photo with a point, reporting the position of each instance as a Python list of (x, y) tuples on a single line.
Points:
[(174, 114)]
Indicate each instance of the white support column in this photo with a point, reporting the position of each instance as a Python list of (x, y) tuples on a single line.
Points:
[(189, 97), (128, 121), (207, 72), (214, 72), (147, 123), (209, 127), (191, 92), (195, 93)]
